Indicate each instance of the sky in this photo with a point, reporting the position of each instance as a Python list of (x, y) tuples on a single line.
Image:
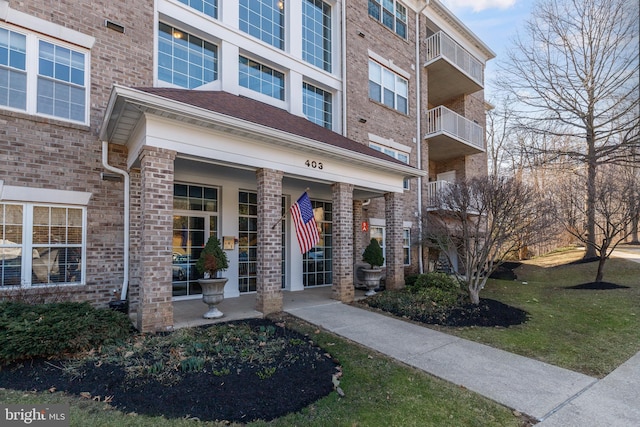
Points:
[(495, 22)]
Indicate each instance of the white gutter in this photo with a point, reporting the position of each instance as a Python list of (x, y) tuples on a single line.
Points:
[(419, 132), (107, 166), (344, 67)]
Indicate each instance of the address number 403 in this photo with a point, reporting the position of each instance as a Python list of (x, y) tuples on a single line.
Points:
[(313, 164)]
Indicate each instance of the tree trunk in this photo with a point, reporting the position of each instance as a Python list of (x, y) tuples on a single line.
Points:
[(634, 227), (590, 251), (474, 295), (600, 273)]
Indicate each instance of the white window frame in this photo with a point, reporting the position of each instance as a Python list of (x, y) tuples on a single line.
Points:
[(28, 246), (379, 225), (399, 10), (305, 106), (32, 72), (386, 74), (323, 63)]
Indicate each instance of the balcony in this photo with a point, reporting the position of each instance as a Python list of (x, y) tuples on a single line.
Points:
[(433, 189), (451, 135), (438, 199), (452, 70)]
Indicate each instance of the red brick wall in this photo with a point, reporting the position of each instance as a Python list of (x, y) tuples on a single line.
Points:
[(46, 153)]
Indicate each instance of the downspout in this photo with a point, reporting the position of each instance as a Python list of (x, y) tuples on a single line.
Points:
[(107, 166), (419, 132), (343, 66)]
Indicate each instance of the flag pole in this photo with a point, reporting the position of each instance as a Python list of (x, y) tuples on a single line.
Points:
[(285, 214)]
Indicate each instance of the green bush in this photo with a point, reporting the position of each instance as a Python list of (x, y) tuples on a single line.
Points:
[(442, 289), (410, 280), (56, 329)]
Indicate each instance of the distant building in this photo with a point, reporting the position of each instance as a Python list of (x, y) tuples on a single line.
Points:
[(131, 132)]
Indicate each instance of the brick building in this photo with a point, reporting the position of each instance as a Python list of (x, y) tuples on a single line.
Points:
[(131, 134)]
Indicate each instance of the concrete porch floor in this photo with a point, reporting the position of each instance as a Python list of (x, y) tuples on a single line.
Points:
[(189, 313)]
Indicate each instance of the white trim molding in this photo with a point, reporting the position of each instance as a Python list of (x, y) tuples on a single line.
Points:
[(43, 195)]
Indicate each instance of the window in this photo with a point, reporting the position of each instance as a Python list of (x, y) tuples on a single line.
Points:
[(317, 264), (208, 7), (391, 13), (263, 19), (387, 87), (184, 59), (403, 157), (41, 244), (316, 33), (406, 245), (379, 234), (260, 78), (317, 105), (59, 87), (195, 219)]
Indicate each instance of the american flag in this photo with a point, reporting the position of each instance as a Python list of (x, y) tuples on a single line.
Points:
[(306, 229)]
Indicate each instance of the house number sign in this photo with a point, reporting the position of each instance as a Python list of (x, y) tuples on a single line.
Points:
[(313, 164)]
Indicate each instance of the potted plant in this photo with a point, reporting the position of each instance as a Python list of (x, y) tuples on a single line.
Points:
[(212, 260), (372, 255)]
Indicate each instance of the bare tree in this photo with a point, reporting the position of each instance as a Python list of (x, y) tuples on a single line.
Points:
[(575, 71), (616, 189), (481, 222)]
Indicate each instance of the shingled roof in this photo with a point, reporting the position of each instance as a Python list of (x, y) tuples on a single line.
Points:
[(257, 112)]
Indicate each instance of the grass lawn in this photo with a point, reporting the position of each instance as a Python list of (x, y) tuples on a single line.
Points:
[(378, 392), (589, 331)]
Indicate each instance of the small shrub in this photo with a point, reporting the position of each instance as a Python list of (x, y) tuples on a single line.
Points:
[(410, 280), (56, 329), (441, 289)]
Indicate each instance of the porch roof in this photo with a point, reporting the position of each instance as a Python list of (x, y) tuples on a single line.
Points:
[(239, 115)]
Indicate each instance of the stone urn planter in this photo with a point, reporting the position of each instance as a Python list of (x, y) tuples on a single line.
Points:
[(212, 260), (372, 278), (372, 255), (212, 295)]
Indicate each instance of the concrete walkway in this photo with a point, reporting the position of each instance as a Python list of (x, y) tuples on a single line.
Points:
[(556, 396)]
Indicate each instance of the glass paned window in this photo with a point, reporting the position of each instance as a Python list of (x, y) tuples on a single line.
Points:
[(61, 82), (184, 59), (391, 14), (208, 7), (263, 19), (247, 241), (57, 84), (317, 105), (317, 264), (40, 244), (406, 245), (195, 198), (13, 71), (316, 33), (260, 78), (388, 88)]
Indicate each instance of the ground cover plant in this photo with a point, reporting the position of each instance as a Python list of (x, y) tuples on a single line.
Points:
[(376, 391)]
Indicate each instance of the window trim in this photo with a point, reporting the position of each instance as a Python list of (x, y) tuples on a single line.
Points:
[(32, 71), (380, 19), (326, 64), (27, 246), (325, 124), (397, 79)]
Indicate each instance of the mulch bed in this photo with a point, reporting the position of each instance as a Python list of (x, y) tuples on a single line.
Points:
[(241, 396), (597, 286)]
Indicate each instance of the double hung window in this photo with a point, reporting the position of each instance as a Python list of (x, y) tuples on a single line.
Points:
[(391, 13), (388, 88), (208, 7), (41, 244), (41, 76)]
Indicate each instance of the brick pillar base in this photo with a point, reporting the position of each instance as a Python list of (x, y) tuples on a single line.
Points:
[(342, 236), (269, 273), (155, 308), (394, 207)]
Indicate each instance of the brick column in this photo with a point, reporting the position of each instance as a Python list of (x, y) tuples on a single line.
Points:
[(342, 236), (394, 256), (359, 236), (155, 309), (269, 274)]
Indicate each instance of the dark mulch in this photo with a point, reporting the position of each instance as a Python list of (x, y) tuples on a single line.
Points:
[(241, 396), (597, 286), (487, 313), (505, 271)]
